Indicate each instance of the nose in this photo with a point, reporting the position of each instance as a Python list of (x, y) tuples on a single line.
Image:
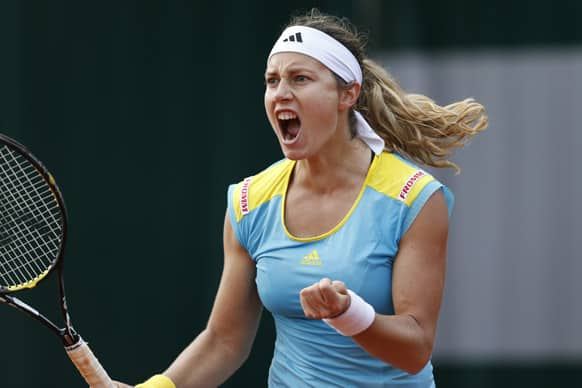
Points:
[(283, 91)]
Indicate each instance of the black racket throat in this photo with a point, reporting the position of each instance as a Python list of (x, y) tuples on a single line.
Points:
[(66, 334)]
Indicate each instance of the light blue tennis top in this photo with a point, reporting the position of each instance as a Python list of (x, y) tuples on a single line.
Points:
[(360, 251)]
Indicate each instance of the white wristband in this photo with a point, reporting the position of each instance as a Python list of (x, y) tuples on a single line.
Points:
[(357, 318)]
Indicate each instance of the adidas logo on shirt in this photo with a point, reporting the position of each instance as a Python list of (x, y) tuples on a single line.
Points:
[(311, 259), (294, 38)]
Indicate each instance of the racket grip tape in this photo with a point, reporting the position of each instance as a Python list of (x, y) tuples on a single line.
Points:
[(88, 365)]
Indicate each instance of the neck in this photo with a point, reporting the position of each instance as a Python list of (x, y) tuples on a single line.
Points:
[(339, 166)]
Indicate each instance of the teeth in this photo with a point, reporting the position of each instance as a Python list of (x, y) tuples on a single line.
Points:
[(286, 116)]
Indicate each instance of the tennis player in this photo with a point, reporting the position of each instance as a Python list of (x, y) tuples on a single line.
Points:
[(344, 240)]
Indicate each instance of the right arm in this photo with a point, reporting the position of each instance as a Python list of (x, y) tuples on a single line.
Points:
[(225, 344)]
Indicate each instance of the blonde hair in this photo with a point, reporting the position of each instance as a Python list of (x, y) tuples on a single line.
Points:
[(412, 125)]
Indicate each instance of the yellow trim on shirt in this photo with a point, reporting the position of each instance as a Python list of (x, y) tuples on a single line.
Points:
[(258, 189), (388, 174), (398, 179)]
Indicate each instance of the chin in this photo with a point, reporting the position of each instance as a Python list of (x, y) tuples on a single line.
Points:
[(292, 154)]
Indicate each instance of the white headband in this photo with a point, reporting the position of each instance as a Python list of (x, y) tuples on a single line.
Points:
[(336, 57)]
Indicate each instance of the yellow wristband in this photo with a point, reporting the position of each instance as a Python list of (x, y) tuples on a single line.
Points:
[(157, 381)]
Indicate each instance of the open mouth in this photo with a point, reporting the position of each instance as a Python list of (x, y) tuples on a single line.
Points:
[(290, 125)]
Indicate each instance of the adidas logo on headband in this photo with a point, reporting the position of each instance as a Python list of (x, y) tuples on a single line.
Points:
[(293, 38)]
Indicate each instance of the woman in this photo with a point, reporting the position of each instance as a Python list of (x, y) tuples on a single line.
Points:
[(344, 240)]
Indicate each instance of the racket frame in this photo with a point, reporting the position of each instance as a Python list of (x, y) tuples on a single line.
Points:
[(66, 334), (77, 349)]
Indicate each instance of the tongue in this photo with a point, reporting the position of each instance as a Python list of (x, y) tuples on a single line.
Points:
[(293, 127)]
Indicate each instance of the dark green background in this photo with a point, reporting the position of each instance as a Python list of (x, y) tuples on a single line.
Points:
[(145, 111)]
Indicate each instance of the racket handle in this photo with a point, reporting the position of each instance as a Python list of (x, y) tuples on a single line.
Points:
[(88, 365)]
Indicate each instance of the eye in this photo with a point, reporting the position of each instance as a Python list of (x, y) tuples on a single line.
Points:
[(271, 81), (301, 78)]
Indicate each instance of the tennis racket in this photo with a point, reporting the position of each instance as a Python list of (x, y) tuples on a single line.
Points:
[(33, 232)]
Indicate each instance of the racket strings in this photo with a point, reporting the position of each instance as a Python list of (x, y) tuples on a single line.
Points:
[(25, 251), (30, 221)]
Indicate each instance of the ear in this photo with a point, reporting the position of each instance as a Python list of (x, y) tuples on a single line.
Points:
[(349, 96)]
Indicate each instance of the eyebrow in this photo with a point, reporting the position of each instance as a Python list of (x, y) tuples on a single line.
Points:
[(290, 70)]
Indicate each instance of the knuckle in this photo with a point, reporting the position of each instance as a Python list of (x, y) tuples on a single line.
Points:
[(338, 284)]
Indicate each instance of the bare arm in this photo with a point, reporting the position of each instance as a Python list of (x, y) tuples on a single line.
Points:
[(405, 339), (226, 342)]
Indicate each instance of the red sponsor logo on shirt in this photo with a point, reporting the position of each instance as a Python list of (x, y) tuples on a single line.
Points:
[(244, 196), (410, 183)]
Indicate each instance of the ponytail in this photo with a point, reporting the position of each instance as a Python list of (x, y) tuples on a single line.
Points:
[(414, 125)]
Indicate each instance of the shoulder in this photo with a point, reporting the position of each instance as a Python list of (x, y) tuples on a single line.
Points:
[(255, 190), (398, 178)]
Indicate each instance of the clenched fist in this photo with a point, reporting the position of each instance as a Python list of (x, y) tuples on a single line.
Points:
[(324, 299)]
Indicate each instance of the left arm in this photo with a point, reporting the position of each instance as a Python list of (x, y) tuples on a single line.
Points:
[(405, 339)]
